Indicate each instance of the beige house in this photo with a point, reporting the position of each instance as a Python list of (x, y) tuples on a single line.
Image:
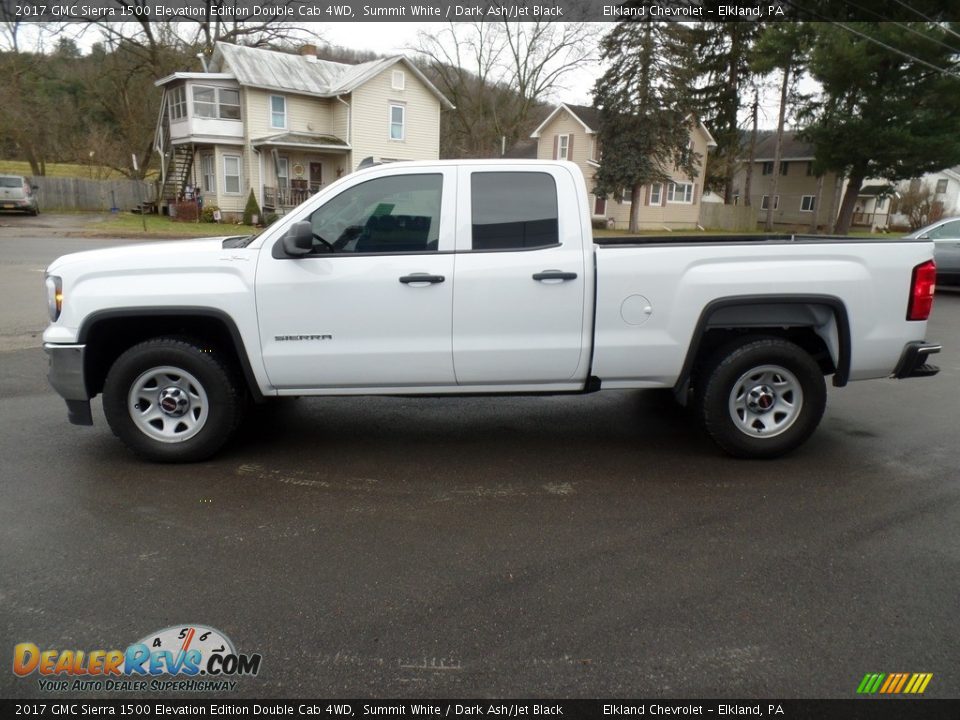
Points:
[(799, 193), (570, 133), (285, 125)]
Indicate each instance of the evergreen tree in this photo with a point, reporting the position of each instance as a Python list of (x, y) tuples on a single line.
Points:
[(721, 78), (883, 114), (781, 46), (644, 130)]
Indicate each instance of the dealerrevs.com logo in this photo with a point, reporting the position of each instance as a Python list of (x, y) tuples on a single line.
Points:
[(178, 658)]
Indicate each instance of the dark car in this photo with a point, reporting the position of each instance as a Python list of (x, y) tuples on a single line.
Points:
[(946, 242), (16, 193)]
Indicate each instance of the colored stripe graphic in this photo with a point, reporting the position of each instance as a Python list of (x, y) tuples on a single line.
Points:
[(894, 683)]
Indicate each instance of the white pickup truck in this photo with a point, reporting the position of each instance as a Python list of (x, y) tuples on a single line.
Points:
[(470, 277)]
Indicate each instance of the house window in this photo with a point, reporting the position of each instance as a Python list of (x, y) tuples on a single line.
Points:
[(228, 104), (806, 203), (513, 210), (397, 116), (783, 167), (178, 103), (810, 168), (765, 202), (231, 174), (656, 193), (399, 80), (881, 202), (680, 193), (283, 172), (278, 111), (207, 169), (768, 168), (217, 103), (563, 147), (941, 186)]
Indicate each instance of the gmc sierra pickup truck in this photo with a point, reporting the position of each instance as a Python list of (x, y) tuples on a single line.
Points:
[(469, 277)]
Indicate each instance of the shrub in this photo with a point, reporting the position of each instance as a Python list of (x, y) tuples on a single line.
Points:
[(207, 215), (252, 208)]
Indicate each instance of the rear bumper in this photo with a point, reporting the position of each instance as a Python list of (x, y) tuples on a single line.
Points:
[(9, 204), (913, 360), (66, 376)]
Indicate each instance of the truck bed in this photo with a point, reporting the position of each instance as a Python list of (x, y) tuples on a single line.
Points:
[(735, 239)]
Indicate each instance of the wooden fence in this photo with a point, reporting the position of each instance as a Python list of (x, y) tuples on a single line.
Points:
[(734, 218), (61, 193)]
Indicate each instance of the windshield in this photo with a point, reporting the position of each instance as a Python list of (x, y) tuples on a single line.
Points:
[(11, 182)]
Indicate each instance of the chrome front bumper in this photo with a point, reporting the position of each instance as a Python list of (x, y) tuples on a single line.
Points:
[(66, 376)]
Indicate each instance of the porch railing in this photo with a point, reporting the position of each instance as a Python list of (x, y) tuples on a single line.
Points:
[(290, 195)]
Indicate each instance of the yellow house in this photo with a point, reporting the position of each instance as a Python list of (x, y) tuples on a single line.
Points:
[(284, 125), (570, 132)]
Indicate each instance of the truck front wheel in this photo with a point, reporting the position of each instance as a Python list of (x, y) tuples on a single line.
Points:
[(171, 400), (762, 398)]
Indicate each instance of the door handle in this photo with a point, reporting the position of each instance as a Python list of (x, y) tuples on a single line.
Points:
[(424, 278), (554, 275)]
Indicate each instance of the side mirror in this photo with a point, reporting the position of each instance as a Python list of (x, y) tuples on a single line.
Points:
[(299, 239), (925, 236)]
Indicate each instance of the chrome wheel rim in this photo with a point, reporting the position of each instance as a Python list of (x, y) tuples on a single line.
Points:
[(168, 404), (765, 401)]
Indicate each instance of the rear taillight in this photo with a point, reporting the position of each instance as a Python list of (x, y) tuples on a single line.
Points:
[(922, 286)]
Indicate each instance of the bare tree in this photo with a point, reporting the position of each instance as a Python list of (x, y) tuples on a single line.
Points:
[(497, 73), (918, 202), (153, 40)]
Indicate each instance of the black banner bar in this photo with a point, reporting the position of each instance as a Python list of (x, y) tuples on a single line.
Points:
[(856, 709), (306, 11)]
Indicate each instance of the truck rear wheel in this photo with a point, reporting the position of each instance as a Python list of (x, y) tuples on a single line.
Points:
[(171, 400), (762, 398)]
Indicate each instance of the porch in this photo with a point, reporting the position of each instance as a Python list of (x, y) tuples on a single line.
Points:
[(298, 165)]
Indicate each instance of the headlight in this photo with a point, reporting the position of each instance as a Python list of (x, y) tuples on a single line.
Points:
[(54, 296)]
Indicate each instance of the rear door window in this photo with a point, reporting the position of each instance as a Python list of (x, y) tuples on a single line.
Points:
[(513, 211)]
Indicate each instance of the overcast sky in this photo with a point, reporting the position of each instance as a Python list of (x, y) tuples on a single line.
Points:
[(400, 37)]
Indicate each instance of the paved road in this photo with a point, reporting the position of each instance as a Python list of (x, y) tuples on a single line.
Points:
[(592, 546)]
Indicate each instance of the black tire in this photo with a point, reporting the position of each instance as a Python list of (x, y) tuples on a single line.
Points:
[(210, 396), (761, 397)]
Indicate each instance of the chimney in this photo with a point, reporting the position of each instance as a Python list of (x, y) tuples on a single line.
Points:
[(309, 51)]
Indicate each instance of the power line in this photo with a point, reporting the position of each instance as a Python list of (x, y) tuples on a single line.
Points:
[(946, 26), (880, 43), (904, 26), (898, 51)]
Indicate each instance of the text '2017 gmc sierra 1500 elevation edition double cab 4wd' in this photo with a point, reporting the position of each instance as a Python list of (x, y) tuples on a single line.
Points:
[(470, 277)]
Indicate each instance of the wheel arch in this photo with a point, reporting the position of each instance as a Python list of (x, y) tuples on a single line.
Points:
[(804, 319), (108, 333)]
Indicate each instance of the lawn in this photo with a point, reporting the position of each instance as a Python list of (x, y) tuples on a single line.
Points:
[(129, 225), (72, 170)]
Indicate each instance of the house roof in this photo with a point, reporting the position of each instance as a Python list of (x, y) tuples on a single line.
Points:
[(793, 147), (589, 117), (307, 140), (194, 76), (874, 190), (582, 114), (304, 74)]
